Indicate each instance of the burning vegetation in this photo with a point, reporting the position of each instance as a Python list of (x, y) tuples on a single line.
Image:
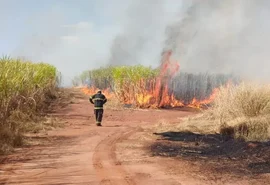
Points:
[(164, 87)]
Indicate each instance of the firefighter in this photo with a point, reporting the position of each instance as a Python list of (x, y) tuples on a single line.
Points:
[(98, 100)]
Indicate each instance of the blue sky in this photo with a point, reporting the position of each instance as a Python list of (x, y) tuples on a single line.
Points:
[(18, 17), (44, 31), (76, 35)]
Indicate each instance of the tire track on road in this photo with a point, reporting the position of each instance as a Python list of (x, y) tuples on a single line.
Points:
[(108, 170)]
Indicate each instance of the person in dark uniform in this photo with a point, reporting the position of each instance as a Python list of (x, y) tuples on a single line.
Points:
[(98, 100)]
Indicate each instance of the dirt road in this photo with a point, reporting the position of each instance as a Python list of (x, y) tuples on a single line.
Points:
[(116, 153)]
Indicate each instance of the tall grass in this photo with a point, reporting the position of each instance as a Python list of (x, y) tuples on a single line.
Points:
[(242, 111), (100, 78), (25, 89), (128, 81), (187, 86)]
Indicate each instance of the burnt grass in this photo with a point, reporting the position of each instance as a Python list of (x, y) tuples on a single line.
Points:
[(223, 154)]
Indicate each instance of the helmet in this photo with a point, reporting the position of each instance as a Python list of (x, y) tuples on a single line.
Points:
[(99, 91)]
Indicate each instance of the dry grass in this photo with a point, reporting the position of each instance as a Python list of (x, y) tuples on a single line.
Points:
[(114, 104), (242, 111), (162, 126), (9, 139), (21, 124), (244, 100), (27, 91), (196, 124)]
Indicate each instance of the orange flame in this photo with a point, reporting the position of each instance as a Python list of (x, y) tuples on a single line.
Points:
[(159, 95), (93, 90), (199, 103)]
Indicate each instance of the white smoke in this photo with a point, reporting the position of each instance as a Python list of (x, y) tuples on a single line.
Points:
[(205, 35), (73, 47), (223, 36), (143, 35)]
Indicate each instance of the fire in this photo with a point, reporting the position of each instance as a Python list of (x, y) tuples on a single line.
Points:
[(167, 71), (198, 104), (149, 100), (158, 96), (93, 90)]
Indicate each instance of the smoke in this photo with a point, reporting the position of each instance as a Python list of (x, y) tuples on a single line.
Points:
[(142, 38), (210, 35), (82, 35), (229, 36)]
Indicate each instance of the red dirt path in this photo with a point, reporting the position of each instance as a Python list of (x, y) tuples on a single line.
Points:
[(116, 153)]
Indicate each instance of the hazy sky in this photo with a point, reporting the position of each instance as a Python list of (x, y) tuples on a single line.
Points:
[(77, 35)]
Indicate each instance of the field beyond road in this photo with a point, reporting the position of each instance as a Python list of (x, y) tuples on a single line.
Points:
[(124, 151)]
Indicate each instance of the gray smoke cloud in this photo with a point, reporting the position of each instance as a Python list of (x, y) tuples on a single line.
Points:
[(205, 36), (223, 36), (123, 32), (143, 35)]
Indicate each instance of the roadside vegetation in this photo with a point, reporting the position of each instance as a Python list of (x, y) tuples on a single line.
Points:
[(133, 84), (27, 90), (241, 111), (232, 134)]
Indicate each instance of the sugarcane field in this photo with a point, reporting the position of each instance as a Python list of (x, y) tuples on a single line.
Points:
[(128, 92)]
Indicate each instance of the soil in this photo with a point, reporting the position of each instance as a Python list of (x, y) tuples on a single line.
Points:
[(127, 150)]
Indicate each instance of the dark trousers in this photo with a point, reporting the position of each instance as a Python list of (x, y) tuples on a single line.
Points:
[(98, 115)]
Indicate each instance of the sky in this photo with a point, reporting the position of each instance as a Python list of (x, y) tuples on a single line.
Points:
[(78, 35), (222, 36)]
